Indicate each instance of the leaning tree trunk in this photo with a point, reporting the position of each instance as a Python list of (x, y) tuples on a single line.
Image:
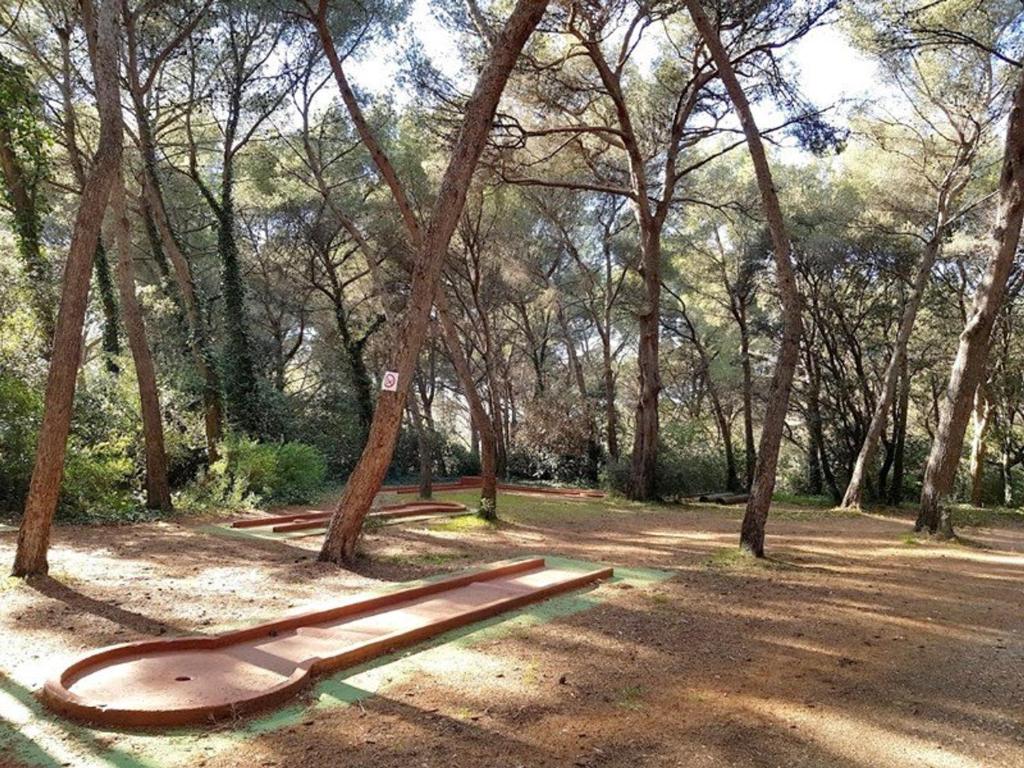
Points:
[(969, 364), (158, 489), (364, 483), (855, 488), (752, 534), (44, 488)]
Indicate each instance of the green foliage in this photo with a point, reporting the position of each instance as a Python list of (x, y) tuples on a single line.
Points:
[(20, 411), (99, 484), (250, 472)]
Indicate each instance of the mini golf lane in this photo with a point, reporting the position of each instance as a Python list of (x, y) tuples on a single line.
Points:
[(309, 520), (189, 680)]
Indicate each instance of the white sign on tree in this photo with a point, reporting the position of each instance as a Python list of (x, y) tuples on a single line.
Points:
[(390, 381)]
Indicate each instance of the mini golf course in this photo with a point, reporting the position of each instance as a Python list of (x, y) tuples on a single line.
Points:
[(469, 482), (318, 520), (196, 679)]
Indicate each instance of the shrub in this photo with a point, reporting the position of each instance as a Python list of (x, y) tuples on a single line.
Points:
[(249, 472), (20, 411), (300, 473), (99, 483)]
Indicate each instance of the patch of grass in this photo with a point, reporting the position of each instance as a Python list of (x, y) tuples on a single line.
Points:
[(985, 517), (427, 558), (462, 524), (799, 513), (802, 500), (630, 697), (911, 540), (732, 558), (659, 598)]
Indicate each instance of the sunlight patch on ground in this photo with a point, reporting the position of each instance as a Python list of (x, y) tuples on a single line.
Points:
[(857, 740)]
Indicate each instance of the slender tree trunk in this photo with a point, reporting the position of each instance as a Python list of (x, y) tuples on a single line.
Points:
[(424, 447), (44, 488), (969, 364), (1006, 470), (752, 534), (903, 403), (855, 488), (611, 412), (111, 338), (732, 480), (982, 411), (158, 489), (749, 445), (364, 483), (576, 372), (482, 423)]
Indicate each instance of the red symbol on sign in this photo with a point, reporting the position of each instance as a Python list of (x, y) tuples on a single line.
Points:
[(390, 381)]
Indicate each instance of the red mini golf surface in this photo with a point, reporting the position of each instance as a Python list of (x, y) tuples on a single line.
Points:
[(308, 520), (195, 679)]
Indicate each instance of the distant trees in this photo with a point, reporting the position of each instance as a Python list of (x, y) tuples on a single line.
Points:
[(618, 295)]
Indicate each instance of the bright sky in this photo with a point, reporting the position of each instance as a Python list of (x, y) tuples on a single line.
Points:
[(832, 71)]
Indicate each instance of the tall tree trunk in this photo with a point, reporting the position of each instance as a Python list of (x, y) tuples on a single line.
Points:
[(364, 483), (158, 489), (752, 534), (611, 413), (111, 338), (240, 388), (44, 488), (645, 429), (969, 364), (903, 403), (982, 411), (483, 425), (749, 446), (1006, 471), (897, 361), (424, 447)]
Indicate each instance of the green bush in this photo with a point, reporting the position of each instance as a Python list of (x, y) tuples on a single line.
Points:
[(249, 472), (99, 481), (20, 411), (300, 472)]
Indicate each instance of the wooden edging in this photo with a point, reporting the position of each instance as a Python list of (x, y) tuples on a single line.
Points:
[(57, 695)]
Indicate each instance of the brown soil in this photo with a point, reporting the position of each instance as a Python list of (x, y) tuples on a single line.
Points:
[(855, 646)]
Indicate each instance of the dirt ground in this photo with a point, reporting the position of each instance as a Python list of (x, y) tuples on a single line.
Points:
[(856, 645)]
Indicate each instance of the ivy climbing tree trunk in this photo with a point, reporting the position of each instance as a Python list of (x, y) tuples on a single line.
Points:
[(969, 363), (111, 341), (158, 490), (364, 483), (44, 488), (752, 533)]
